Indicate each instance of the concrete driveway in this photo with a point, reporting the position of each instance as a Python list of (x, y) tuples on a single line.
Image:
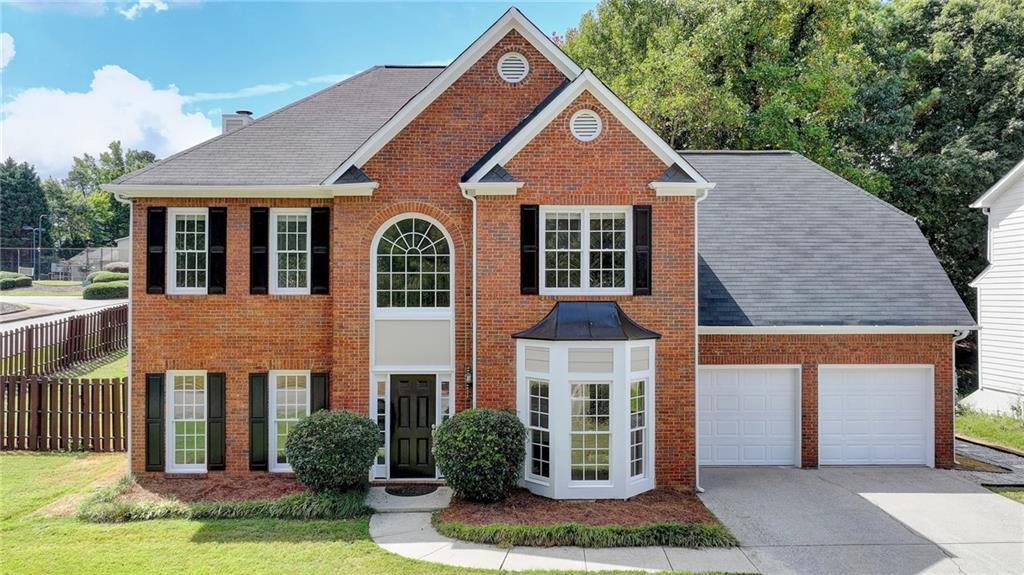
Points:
[(866, 520)]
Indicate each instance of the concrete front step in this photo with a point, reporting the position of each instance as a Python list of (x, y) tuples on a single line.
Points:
[(383, 502)]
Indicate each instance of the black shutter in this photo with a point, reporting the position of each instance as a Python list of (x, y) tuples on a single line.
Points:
[(216, 251), (641, 250), (258, 429), (154, 422), (320, 240), (156, 257), (259, 252), (215, 424), (321, 396), (529, 249)]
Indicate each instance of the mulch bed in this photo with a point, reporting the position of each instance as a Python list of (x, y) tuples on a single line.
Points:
[(191, 489), (523, 508)]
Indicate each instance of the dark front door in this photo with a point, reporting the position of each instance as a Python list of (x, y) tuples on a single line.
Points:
[(413, 412)]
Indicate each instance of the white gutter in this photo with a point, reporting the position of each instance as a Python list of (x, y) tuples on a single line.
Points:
[(471, 196), (958, 336), (831, 329), (701, 195), (242, 191)]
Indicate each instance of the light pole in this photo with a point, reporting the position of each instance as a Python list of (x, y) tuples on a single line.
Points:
[(39, 245)]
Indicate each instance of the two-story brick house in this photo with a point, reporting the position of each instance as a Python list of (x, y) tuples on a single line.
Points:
[(505, 232)]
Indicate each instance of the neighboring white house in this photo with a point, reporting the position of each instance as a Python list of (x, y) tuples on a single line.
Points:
[(1001, 298)]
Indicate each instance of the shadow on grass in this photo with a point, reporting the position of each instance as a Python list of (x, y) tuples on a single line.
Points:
[(83, 369), (281, 531)]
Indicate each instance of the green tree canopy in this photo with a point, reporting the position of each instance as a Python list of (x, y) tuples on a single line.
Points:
[(21, 202)]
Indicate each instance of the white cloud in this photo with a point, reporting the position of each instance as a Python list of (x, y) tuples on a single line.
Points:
[(264, 89), (6, 49), (136, 9), (47, 127)]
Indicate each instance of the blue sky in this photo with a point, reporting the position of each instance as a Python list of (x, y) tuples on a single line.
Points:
[(157, 74)]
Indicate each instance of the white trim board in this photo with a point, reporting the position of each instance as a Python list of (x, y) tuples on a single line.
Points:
[(828, 329), (513, 19), (588, 82), (988, 198), (313, 191)]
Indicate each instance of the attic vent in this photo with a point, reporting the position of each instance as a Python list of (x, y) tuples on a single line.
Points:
[(585, 125), (513, 67)]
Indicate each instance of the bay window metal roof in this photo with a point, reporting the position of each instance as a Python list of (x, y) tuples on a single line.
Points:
[(586, 321)]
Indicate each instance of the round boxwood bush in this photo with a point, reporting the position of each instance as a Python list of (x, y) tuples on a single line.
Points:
[(119, 267), (103, 276), (332, 450), (106, 290), (480, 452), (11, 280)]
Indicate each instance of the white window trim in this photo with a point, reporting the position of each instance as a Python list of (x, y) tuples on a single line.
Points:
[(274, 213), (530, 428), (273, 465), (169, 464), (585, 213), (171, 268), (412, 312), (380, 471)]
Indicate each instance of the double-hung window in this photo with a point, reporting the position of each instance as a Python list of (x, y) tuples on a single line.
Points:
[(289, 403), (186, 422), (586, 250), (188, 237), (290, 252)]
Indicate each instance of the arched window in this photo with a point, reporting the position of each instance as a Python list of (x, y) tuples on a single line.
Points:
[(413, 265)]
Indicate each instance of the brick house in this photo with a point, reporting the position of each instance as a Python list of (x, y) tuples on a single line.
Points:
[(504, 232)]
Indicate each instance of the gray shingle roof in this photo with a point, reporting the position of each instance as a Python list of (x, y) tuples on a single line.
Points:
[(300, 144), (785, 242)]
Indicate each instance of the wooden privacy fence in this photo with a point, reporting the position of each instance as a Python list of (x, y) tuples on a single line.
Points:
[(52, 346), (50, 414)]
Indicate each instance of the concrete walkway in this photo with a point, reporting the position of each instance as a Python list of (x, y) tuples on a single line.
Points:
[(867, 520), (411, 535), (1013, 462), (49, 308)]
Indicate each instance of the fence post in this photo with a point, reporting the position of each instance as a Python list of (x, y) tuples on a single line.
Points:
[(29, 357), (35, 413)]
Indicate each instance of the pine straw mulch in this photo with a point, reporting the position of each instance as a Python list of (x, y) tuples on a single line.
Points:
[(219, 488), (664, 504)]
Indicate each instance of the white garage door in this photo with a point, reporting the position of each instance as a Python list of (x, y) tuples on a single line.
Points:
[(748, 415), (875, 415)]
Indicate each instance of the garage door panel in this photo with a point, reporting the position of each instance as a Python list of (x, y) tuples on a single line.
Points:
[(748, 416), (879, 415)]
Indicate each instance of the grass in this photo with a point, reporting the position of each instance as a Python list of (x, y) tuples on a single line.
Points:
[(48, 288), (32, 543), (111, 367), (1004, 430), (1015, 493), (577, 535)]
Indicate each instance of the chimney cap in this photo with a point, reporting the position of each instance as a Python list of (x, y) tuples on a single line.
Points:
[(243, 112)]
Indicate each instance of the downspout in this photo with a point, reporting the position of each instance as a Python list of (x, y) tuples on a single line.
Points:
[(471, 196), (131, 266), (701, 195), (957, 336)]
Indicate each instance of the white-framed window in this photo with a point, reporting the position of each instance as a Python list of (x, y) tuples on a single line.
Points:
[(590, 431), (382, 421), (186, 398), (289, 403), (413, 265), (187, 238), (289, 247), (637, 427), (539, 429), (586, 250)]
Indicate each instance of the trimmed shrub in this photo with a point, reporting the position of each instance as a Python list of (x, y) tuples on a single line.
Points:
[(7, 283), (119, 267), (11, 280), (106, 290), (101, 277), (480, 452), (9, 275), (332, 450)]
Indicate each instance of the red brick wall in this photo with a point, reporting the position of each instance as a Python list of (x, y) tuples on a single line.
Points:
[(612, 170), (809, 351)]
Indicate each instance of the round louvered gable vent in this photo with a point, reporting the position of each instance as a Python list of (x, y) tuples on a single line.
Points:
[(585, 125), (513, 67)]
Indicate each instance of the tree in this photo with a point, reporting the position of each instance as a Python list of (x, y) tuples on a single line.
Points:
[(110, 218), (70, 216), (21, 202)]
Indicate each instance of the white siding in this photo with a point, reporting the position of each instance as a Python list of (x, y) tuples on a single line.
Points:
[(1001, 295)]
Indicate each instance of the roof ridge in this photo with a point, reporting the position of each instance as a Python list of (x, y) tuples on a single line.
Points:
[(858, 188), (125, 178)]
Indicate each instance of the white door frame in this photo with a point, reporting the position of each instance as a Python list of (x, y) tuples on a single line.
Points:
[(441, 377)]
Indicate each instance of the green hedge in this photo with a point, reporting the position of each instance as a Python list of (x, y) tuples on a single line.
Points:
[(480, 453), (104, 276), (106, 505), (119, 267), (333, 450), (693, 535), (106, 290), (11, 280)]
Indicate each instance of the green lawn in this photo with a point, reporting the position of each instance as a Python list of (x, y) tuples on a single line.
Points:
[(112, 367), (1002, 430), (34, 543), (1015, 493), (49, 288)]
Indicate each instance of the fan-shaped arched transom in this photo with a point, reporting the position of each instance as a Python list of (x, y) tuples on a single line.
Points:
[(413, 265)]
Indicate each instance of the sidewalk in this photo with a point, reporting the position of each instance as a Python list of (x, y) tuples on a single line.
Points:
[(411, 535), (48, 308)]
